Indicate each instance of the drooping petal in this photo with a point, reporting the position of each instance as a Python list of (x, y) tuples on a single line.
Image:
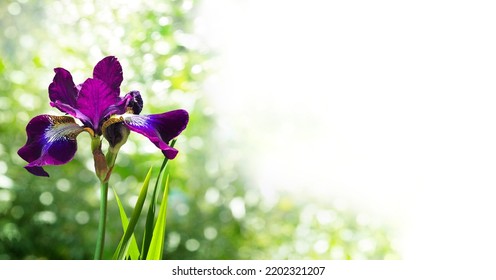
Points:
[(109, 70), (159, 128), (51, 141), (62, 90), (94, 101)]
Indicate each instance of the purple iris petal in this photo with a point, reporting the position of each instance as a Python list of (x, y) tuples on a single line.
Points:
[(71, 111), (51, 141), (160, 128), (109, 70), (63, 94), (94, 101), (62, 90), (131, 100), (135, 101)]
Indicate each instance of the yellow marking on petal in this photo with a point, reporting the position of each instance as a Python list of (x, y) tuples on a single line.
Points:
[(111, 121), (90, 131), (61, 120)]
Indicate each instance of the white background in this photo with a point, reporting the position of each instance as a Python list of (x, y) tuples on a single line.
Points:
[(341, 270), (386, 105)]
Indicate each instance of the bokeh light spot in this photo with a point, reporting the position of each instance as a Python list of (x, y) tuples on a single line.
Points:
[(14, 8), (17, 212), (27, 41), (337, 253), (366, 245), (5, 196), (11, 232), (6, 182), (210, 233), (237, 206), (176, 62), (326, 217), (321, 246), (212, 195), (182, 209), (82, 217), (302, 247), (46, 198), (347, 235), (192, 245), (47, 217), (63, 185), (5, 103), (20, 77), (174, 239), (196, 69), (163, 21), (131, 201)]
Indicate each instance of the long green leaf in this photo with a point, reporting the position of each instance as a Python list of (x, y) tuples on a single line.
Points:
[(157, 244), (150, 218), (133, 251), (121, 249)]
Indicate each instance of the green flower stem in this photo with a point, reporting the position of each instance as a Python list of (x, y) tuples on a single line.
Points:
[(100, 241)]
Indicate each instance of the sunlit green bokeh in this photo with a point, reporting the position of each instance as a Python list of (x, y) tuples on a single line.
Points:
[(214, 212)]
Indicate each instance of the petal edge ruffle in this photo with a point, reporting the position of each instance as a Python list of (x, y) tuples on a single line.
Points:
[(109, 70), (62, 88)]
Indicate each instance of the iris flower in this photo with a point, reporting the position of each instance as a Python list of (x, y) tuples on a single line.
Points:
[(97, 104)]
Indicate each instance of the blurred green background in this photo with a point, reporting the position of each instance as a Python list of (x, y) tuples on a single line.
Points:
[(214, 211)]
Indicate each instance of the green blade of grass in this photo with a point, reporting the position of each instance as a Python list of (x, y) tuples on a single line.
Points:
[(121, 249), (150, 218), (157, 243), (133, 251)]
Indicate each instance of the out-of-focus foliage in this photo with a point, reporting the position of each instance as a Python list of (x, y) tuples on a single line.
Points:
[(213, 212)]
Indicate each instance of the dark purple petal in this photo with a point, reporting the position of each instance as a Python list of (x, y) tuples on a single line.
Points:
[(109, 70), (62, 89), (131, 101), (36, 170), (160, 128), (94, 101), (51, 141), (135, 101)]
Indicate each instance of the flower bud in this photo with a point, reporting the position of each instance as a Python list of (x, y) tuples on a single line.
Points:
[(115, 132), (101, 168)]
